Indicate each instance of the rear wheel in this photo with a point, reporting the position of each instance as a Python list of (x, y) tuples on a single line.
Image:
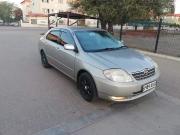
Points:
[(87, 87), (44, 60)]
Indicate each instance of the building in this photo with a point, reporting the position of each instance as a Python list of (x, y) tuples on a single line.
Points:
[(25, 6), (172, 18), (35, 11), (49, 6)]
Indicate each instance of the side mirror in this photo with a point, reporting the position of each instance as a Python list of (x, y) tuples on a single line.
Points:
[(69, 47), (122, 41)]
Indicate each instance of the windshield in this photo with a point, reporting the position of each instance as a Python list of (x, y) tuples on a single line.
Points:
[(94, 41)]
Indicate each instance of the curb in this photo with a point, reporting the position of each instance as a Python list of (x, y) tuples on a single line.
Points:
[(160, 55)]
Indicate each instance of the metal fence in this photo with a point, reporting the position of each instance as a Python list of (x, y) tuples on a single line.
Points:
[(169, 42), (144, 35)]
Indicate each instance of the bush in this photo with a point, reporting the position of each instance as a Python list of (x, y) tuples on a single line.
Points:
[(174, 25)]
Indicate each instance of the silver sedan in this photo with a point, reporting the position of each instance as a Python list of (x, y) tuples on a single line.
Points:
[(101, 65)]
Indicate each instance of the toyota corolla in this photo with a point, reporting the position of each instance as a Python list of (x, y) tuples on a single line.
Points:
[(102, 66)]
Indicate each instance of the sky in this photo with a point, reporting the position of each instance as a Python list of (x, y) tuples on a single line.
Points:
[(177, 7), (177, 4), (16, 1)]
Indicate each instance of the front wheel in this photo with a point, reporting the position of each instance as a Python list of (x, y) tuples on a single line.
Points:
[(87, 87), (44, 60)]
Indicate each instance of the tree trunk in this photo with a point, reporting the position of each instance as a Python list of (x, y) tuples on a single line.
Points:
[(110, 27), (135, 27), (121, 32), (102, 21), (103, 25)]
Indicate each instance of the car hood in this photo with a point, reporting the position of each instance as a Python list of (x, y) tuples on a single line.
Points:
[(126, 59)]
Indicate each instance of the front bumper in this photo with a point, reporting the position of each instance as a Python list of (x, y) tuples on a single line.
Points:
[(123, 91), (130, 98)]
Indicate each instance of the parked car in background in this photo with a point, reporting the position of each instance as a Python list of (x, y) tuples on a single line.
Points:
[(15, 24), (100, 64), (1, 22)]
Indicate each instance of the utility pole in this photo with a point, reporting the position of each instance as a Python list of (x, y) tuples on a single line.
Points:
[(158, 34)]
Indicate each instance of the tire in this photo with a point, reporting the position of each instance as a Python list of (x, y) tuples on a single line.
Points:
[(44, 60), (87, 87)]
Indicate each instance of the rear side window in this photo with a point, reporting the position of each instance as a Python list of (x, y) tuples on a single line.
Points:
[(54, 36)]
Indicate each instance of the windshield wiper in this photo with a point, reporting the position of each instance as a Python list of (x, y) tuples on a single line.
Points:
[(122, 47), (110, 49), (106, 49)]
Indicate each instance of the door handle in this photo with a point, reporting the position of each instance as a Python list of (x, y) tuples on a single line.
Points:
[(57, 48)]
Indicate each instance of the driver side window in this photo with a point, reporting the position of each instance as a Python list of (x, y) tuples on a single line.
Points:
[(67, 38)]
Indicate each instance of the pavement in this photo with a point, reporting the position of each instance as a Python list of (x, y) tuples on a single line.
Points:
[(38, 101)]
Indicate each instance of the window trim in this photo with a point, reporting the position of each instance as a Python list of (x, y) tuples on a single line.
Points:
[(50, 33), (60, 32), (66, 30)]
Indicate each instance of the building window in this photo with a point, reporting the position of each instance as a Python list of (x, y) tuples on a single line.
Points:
[(60, 1), (45, 1), (45, 10), (33, 21)]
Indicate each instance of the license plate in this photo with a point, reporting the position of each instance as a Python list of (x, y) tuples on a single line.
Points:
[(149, 86)]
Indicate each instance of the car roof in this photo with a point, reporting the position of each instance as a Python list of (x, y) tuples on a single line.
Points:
[(77, 28)]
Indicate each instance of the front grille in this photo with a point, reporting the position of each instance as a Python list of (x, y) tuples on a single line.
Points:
[(146, 73)]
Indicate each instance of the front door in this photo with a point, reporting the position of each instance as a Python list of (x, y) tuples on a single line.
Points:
[(51, 46), (66, 58)]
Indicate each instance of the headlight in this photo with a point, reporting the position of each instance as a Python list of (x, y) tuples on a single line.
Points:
[(117, 75)]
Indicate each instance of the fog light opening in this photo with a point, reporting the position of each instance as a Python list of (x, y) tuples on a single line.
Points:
[(117, 98)]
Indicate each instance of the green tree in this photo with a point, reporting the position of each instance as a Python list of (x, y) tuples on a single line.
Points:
[(18, 15), (157, 8), (121, 11), (97, 8), (110, 11), (127, 10), (6, 11)]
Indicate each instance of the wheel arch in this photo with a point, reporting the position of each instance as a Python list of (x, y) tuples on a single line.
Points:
[(41, 50), (81, 71)]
